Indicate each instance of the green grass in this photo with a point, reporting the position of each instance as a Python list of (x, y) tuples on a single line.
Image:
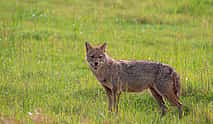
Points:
[(43, 66)]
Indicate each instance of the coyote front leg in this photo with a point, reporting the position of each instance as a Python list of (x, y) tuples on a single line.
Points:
[(116, 96), (109, 95)]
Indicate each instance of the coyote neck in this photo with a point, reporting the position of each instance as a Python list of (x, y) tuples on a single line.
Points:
[(109, 60)]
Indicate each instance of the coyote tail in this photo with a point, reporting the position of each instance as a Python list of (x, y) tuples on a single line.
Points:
[(176, 83)]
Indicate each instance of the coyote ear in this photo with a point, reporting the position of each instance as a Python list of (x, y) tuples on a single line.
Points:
[(88, 46), (103, 47)]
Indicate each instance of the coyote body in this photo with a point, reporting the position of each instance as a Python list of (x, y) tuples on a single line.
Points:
[(134, 76)]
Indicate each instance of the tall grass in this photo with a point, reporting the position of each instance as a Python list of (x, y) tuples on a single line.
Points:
[(44, 77)]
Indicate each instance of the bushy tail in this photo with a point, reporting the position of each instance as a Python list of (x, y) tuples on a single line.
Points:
[(176, 80)]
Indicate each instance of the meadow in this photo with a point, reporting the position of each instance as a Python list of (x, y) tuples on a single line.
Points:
[(44, 76)]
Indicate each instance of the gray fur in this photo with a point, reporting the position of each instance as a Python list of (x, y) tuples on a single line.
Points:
[(134, 76)]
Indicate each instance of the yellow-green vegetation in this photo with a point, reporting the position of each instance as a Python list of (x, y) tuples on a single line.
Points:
[(44, 77)]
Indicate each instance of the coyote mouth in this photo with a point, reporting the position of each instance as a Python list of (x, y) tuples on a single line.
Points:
[(95, 68)]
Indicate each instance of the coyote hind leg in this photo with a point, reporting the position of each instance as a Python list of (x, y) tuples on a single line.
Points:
[(159, 99), (174, 100)]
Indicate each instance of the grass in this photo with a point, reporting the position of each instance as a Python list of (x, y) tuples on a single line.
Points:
[(44, 77)]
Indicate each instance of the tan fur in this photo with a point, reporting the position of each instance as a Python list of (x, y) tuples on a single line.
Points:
[(133, 76)]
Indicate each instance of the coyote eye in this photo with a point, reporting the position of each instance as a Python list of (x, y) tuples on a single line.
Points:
[(100, 56), (92, 56)]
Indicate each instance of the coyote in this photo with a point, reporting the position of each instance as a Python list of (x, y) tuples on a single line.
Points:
[(133, 76)]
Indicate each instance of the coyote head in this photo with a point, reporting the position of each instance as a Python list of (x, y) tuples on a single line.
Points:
[(96, 56)]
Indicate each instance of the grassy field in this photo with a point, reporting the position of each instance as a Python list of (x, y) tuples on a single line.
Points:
[(44, 77)]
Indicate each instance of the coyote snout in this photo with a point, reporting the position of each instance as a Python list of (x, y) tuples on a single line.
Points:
[(134, 76)]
